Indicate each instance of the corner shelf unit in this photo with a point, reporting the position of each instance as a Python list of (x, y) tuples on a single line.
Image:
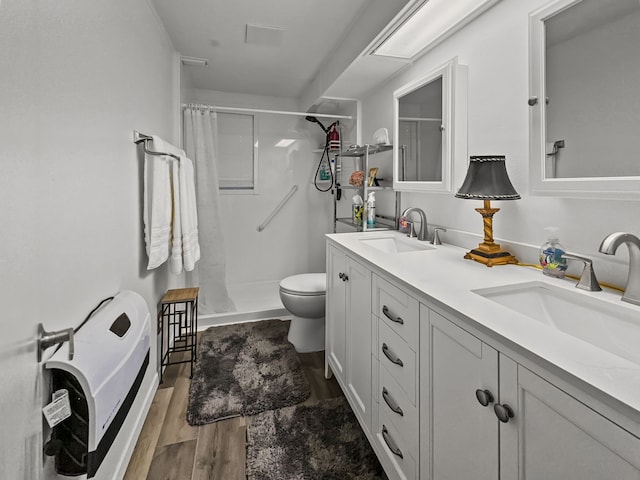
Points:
[(382, 222)]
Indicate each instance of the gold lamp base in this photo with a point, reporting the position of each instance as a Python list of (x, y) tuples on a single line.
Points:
[(497, 257), (488, 252)]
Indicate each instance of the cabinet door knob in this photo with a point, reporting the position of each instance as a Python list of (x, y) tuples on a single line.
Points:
[(391, 356), (390, 443), (504, 412), (345, 277), (485, 397), (341, 275), (391, 402), (385, 311)]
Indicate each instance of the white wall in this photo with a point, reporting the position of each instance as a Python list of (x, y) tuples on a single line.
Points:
[(495, 48), (373, 17), (77, 78), (294, 240)]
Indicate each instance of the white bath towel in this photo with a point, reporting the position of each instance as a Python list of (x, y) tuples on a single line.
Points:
[(175, 259), (188, 215), (170, 213), (157, 208)]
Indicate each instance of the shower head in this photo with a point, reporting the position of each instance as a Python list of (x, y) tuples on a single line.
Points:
[(312, 119)]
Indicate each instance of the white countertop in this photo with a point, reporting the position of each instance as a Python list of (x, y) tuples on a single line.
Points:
[(443, 276)]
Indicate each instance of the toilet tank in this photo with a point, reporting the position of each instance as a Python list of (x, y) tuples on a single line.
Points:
[(103, 378)]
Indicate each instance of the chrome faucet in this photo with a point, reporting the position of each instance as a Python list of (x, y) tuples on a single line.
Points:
[(609, 246), (588, 280), (436, 235), (424, 231)]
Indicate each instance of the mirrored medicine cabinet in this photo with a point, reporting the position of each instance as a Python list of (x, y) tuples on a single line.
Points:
[(430, 129), (584, 102)]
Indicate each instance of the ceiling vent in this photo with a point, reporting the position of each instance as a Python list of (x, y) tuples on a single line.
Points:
[(264, 35)]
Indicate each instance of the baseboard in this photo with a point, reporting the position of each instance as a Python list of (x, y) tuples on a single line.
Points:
[(206, 321), (134, 432)]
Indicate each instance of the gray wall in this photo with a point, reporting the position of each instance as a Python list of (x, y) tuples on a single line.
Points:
[(77, 78)]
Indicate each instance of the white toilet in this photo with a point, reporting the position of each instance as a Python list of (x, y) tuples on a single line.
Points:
[(303, 296)]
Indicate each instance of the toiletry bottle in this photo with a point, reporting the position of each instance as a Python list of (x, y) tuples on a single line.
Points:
[(371, 209), (325, 173), (551, 255), (334, 138), (357, 206)]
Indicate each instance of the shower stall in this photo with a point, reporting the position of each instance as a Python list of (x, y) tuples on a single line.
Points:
[(274, 222)]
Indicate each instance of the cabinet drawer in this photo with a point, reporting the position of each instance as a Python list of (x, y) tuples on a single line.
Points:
[(402, 413), (398, 310), (391, 440), (399, 359)]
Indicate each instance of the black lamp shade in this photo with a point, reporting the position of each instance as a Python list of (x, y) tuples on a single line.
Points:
[(487, 179)]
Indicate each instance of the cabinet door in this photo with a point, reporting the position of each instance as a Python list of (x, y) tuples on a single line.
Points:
[(336, 323), (358, 313), (555, 436), (463, 441)]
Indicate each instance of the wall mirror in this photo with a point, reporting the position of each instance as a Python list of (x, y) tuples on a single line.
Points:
[(585, 64), (429, 129)]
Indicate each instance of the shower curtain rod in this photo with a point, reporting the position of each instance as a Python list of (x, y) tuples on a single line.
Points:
[(220, 108), (142, 138)]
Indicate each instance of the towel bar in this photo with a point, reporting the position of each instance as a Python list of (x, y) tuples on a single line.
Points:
[(142, 138)]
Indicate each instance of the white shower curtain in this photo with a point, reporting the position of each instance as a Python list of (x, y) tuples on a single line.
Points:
[(200, 142)]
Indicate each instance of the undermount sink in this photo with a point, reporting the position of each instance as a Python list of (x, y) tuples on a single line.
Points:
[(610, 327), (396, 244)]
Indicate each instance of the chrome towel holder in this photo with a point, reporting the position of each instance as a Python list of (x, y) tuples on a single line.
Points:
[(142, 138)]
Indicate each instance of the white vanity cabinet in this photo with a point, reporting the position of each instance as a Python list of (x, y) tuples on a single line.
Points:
[(349, 329), (442, 395), (551, 434)]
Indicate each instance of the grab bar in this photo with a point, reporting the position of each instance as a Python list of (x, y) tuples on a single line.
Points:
[(262, 226)]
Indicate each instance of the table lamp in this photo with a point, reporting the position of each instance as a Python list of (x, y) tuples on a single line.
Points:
[(487, 180)]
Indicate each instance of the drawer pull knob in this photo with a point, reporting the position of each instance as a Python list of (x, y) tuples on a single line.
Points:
[(504, 412), (391, 402), (391, 356), (485, 397), (385, 311), (390, 443)]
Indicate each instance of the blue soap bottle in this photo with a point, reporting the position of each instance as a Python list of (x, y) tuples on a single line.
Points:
[(551, 260)]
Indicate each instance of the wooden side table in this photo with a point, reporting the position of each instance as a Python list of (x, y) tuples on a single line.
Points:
[(179, 315)]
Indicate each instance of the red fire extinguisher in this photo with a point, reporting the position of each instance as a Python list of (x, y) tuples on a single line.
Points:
[(334, 137)]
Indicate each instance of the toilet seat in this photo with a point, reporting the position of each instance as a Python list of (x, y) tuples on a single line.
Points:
[(306, 284)]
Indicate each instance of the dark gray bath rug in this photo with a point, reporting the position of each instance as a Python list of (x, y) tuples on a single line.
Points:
[(320, 441), (245, 369)]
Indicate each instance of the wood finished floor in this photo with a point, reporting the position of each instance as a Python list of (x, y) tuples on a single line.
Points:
[(170, 449)]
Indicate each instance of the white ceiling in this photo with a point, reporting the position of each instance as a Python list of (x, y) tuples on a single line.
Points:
[(215, 30)]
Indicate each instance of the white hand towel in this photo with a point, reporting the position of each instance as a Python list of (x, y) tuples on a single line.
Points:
[(157, 208), (188, 215)]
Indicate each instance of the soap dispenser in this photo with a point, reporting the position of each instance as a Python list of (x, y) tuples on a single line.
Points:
[(551, 260)]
